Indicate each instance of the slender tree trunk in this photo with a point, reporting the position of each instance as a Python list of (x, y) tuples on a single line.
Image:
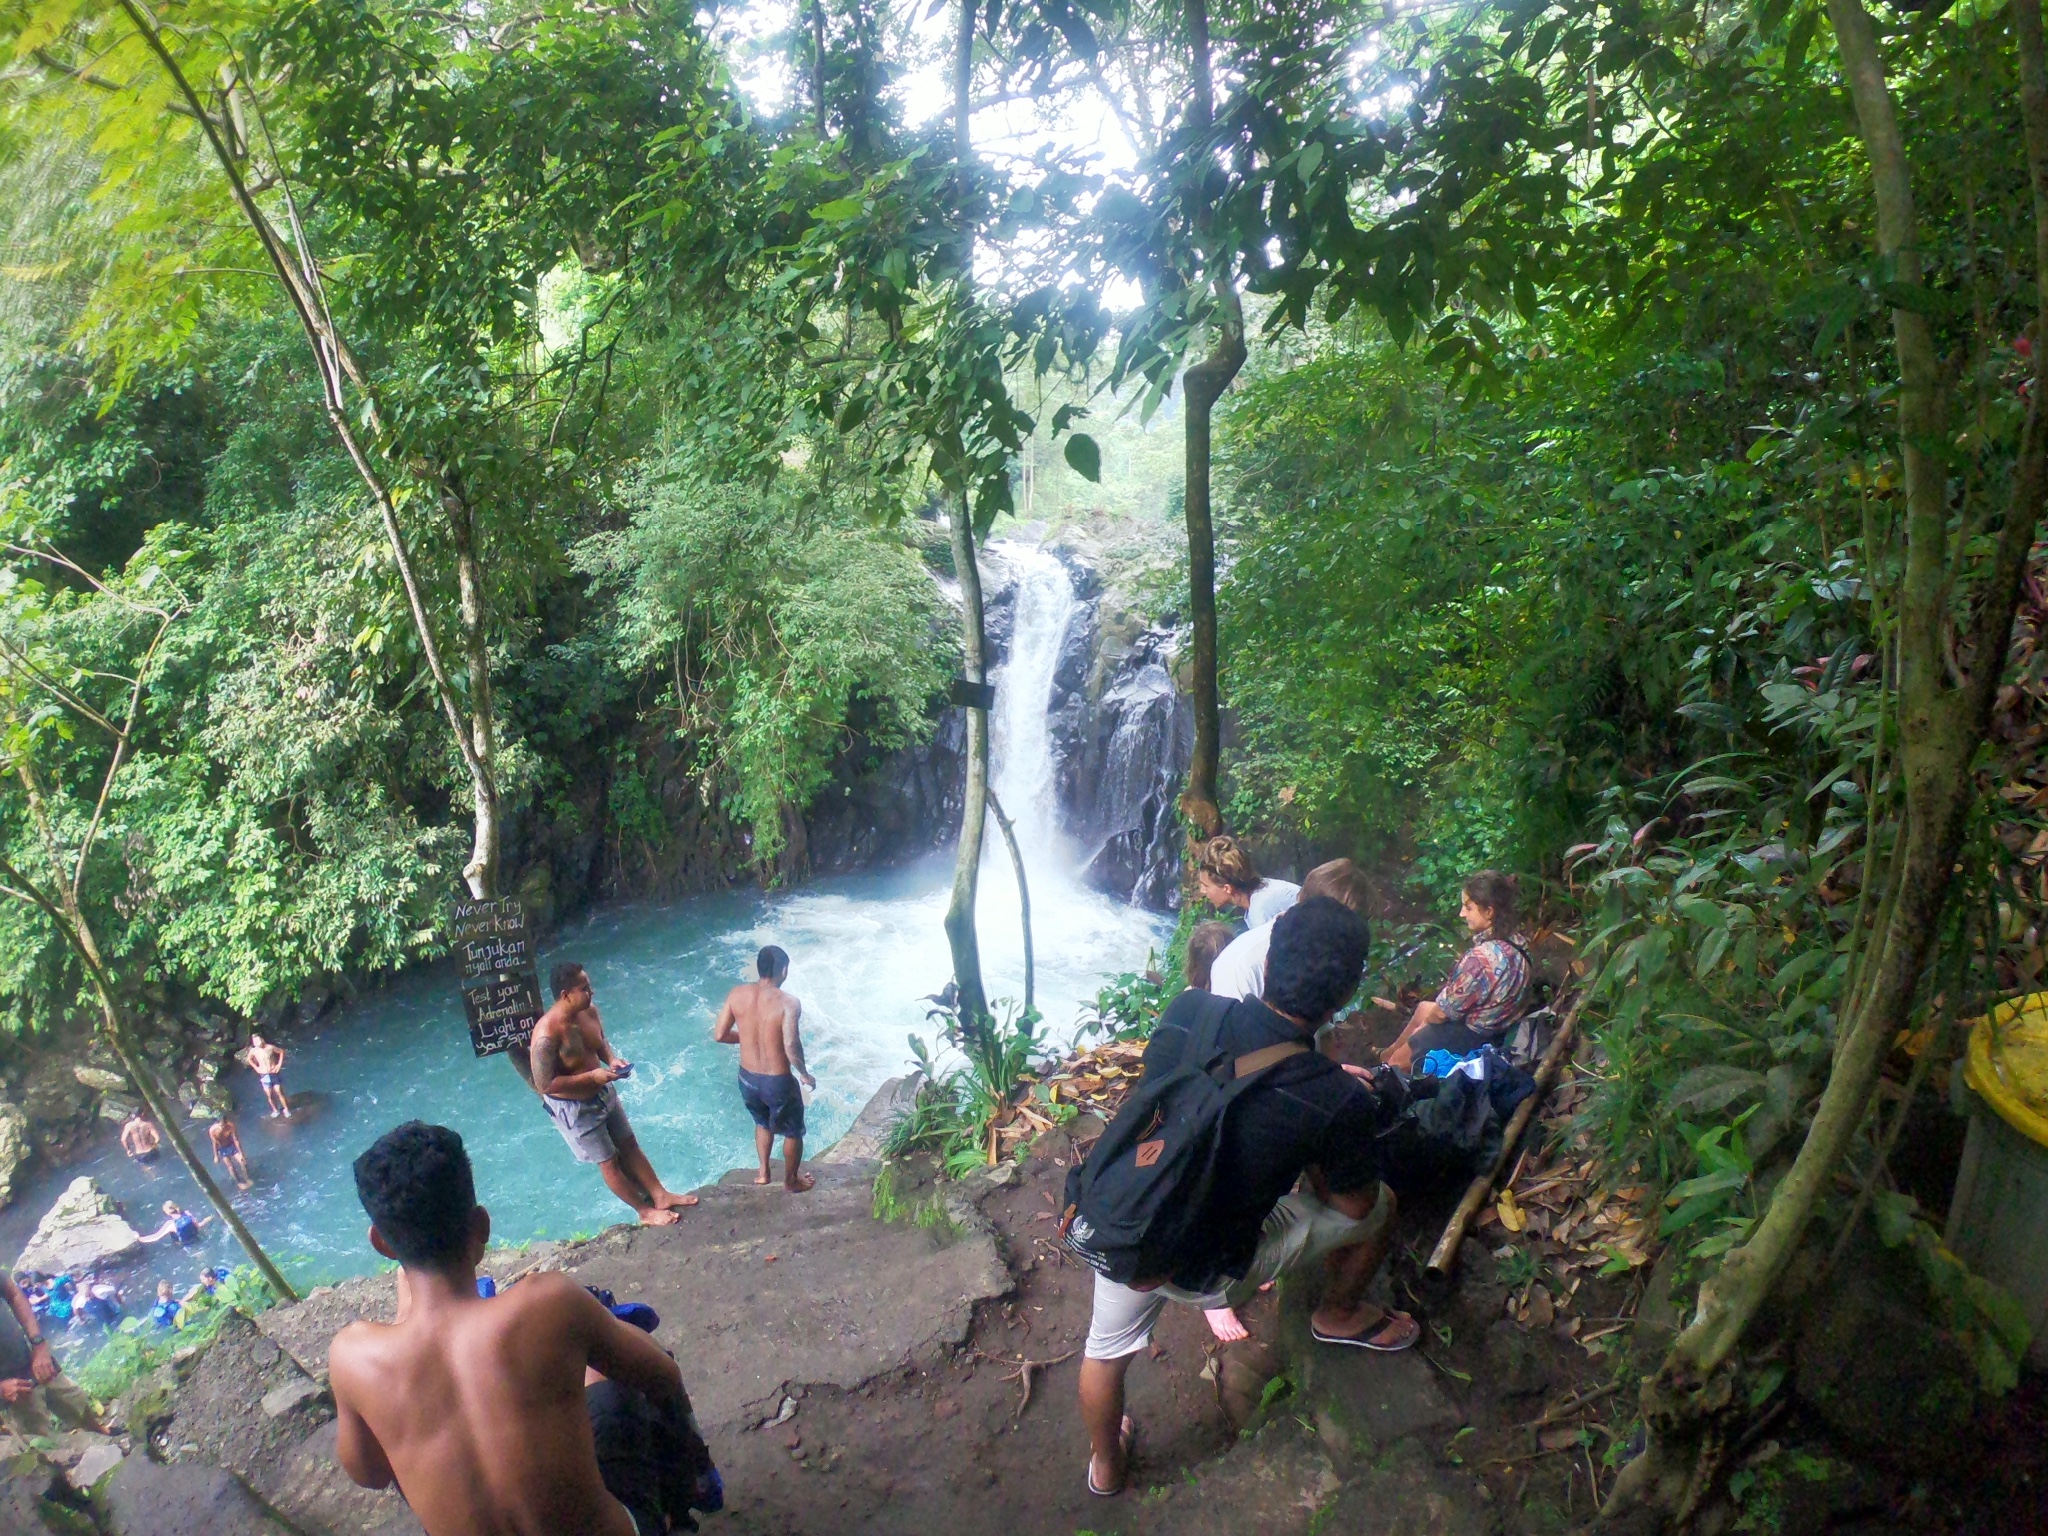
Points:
[(300, 278), (1202, 385), (1023, 896), (1942, 720), (960, 929), (71, 922), (482, 870)]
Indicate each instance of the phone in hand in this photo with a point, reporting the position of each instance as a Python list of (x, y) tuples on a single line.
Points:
[(622, 1069)]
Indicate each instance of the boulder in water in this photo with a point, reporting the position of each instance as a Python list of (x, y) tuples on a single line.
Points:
[(100, 1080), (83, 1228), (15, 1148)]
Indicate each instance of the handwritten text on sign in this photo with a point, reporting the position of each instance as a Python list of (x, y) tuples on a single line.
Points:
[(494, 953)]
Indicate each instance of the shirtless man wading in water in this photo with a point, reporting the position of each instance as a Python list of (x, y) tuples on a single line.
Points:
[(762, 1019), (573, 1070)]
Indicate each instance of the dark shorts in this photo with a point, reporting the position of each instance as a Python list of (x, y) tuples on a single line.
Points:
[(1447, 1035), (775, 1101), (652, 1460), (267, 1079), (146, 1158)]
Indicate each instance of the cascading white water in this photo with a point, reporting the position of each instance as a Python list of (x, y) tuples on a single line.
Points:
[(1020, 737)]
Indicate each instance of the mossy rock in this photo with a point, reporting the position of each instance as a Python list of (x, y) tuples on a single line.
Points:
[(1879, 1371)]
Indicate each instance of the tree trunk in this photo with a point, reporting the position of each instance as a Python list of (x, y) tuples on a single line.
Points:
[(1942, 720), (71, 922), (1202, 385), (960, 930), (333, 360), (1023, 897), (482, 870)]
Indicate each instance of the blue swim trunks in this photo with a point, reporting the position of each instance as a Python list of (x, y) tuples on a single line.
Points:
[(774, 1100)]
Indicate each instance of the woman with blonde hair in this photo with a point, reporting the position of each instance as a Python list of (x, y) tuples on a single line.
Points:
[(1226, 879)]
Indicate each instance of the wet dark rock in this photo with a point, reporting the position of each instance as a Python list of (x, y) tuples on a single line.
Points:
[(1514, 1362), (1879, 1371), (1127, 738)]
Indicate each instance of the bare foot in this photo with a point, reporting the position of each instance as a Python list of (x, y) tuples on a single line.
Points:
[(765, 1178), (668, 1202), (799, 1184), (1226, 1325), (655, 1216)]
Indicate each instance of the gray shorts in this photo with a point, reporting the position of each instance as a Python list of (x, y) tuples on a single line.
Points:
[(1299, 1231), (595, 1128)]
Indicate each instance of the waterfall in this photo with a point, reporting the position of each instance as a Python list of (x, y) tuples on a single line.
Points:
[(1020, 731)]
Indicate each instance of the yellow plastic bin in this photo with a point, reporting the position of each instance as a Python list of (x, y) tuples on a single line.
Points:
[(1998, 1220)]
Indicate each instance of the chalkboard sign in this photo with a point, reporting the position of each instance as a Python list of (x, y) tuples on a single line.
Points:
[(494, 957)]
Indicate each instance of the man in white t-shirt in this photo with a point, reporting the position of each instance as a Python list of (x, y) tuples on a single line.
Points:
[(1240, 971)]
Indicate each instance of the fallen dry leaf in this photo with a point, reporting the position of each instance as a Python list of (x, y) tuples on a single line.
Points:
[(1511, 1214)]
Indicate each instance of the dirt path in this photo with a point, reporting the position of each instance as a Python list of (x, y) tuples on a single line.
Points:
[(922, 1370)]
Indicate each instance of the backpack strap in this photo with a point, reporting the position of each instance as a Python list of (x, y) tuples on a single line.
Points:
[(1259, 1060)]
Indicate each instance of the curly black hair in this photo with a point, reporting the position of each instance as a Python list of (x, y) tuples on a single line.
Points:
[(1316, 959), (417, 1186)]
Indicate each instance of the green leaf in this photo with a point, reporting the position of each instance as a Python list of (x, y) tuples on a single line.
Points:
[(1798, 40), (838, 211), (1084, 456)]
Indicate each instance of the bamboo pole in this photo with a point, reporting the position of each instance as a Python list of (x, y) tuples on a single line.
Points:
[(1445, 1253)]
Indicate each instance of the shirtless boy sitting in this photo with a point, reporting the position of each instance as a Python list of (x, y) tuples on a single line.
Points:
[(762, 1020), (573, 1070), (475, 1407)]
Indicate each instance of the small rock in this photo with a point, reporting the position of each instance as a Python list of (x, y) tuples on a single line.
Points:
[(15, 1148), (279, 1401), (1514, 1361), (82, 1229), (95, 1464)]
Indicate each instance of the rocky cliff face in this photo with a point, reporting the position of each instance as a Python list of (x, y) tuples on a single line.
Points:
[(1122, 735)]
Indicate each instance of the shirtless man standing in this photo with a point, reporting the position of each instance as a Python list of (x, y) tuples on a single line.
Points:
[(475, 1407), (139, 1139), (227, 1150), (573, 1071), (762, 1020), (267, 1062)]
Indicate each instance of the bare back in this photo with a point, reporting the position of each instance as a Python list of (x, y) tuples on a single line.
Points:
[(479, 1412), (761, 1015)]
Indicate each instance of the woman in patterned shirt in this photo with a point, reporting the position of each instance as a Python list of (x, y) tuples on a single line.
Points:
[(1484, 995)]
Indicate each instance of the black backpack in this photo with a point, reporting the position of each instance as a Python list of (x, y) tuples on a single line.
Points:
[(1134, 1209)]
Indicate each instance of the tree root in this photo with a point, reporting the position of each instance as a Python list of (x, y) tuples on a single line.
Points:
[(1025, 1371), (1689, 1424)]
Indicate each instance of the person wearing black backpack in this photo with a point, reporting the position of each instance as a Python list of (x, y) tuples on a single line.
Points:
[(1189, 1195)]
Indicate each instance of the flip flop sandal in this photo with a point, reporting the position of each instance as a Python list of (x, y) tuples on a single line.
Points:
[(1128, 1437), (1373, 1340)]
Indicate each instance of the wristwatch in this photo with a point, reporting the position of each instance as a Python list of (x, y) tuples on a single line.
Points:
[(36, 1341)]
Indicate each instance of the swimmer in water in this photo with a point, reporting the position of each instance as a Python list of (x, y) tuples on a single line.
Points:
[(179, 1223), (227, 1150), (140, 1139)]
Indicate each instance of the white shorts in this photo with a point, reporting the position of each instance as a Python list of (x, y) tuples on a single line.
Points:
[(1299, 1231)]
